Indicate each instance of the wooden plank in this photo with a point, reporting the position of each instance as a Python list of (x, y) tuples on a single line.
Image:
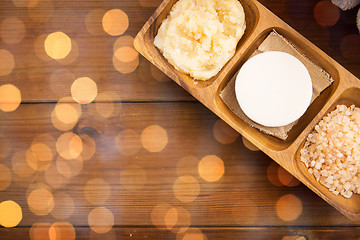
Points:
[(254, 233), (142, 195)]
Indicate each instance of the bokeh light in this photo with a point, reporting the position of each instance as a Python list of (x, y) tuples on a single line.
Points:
[(93, 21), (187, 166), (89, 149), (171, 218), (62, 231), (57, 45), (7, 62), (10, 97), (158, 215), (249, 145), (20, 166), (182, 217), (69, 145), (186, 188), (273, 174), (128, 142), (61, 79), (289, 207), (115, 22), (293, 237), (40, 231), (286, 178), (154, 138), (63, 205), (126, 54), (101, 220), (40, 10), (10, 214), (97, 191), (69, 168), (350, 47), (84, 90), (133, 177), (211, 168), (123, 41), (126, 58), (54, 178), (125, 67), (105, 106), (66, 114), (5, 177), (326, 14), (12, 30), (40, 201), (223, 133), (191, 234), (39, 156), (72, 56)]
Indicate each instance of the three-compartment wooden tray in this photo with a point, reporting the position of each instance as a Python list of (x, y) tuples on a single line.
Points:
[(259, 23)]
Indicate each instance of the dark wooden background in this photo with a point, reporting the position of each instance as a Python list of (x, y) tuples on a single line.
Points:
[(142, 138)]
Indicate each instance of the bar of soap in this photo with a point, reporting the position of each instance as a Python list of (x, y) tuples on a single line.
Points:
[(273, 88)]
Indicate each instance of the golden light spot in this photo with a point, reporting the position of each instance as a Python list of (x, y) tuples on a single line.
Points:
[(293, 238), (93, 21), (57, 45), (211, 168), (84, 90), (147, 3), (223, 133), (158, 215), (69, 168), (154, 138), (115, 22), (286, 178), (133, 177), (249, 145), (5, 146), (289, 207), (125, 68), (272, 174), (97, 191), (350, 47), (40, 201), (10, 214), (89, 149), (12, 30), (158, 75), (245, 212), (10, 97), (40, 231), (187, 166), (5, 177), (123, 41), (186, 188), (128, 142), (60, 80), (171, 218), (183, 220), (72, 56), (54, 178), (65, 114), (39, 156), (62, 231), (63, 206), (39, 48), (101, 220), (41, 10), (191, 234), (69, 145), (126, 54), (20, 166), (326, 14), (105, 106)]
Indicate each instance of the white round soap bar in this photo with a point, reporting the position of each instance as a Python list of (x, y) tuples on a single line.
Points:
[(273, 88)]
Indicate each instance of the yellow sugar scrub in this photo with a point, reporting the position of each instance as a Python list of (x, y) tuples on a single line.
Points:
[(198, 37)]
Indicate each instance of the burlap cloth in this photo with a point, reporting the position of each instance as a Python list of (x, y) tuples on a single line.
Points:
[(276, 42)]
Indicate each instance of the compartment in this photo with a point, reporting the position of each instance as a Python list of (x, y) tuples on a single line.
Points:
[(351, 206), (312, 54), (251, 18)]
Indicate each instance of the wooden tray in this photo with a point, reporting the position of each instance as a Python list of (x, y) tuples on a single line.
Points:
[(259, 23)]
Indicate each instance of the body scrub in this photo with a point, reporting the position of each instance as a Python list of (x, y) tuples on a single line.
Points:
[(198, 37)]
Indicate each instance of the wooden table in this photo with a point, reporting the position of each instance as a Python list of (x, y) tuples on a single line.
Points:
[(139, 158)]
